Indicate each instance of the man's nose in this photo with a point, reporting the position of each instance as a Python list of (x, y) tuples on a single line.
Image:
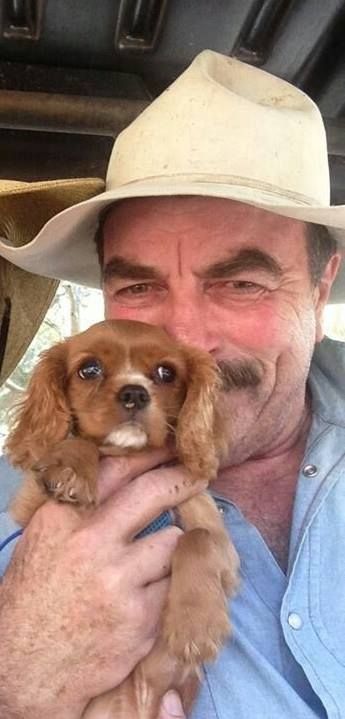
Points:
[(133, 396), (188, 324)]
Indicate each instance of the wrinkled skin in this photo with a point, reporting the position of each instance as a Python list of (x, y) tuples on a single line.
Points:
[(272, 314)]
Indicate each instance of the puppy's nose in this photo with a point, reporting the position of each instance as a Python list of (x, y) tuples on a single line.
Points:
[(133, 396)]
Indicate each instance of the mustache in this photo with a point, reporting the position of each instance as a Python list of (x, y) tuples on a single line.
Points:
[(240, 374)]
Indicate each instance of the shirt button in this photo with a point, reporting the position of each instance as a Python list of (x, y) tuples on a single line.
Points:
[(294, 620), (310, 470)]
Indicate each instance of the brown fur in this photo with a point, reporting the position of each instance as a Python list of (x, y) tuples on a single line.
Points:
[(66, 423)]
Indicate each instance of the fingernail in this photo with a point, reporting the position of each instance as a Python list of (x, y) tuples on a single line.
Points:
[(172, 705)]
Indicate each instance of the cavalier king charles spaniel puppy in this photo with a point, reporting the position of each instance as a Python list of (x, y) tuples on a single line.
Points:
[(116, 388)]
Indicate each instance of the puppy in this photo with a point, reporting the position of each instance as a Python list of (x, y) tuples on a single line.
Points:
[(119, 387)]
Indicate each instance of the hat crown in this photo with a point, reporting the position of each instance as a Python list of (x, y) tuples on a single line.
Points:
[(225, 121)]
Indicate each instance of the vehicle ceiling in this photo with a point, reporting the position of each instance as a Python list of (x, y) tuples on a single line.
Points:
[(73, 73)]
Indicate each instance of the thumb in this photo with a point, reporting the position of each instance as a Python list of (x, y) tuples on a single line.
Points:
[(171, 707)]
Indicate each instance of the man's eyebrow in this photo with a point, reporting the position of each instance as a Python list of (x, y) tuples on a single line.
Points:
[(126, 269), (247, 259)]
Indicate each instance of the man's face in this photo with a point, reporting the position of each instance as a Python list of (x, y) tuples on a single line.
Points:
[(232, 280)]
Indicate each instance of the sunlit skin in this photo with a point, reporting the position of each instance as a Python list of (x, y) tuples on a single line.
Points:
[(233, 280)]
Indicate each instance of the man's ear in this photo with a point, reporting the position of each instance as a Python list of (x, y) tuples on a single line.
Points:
[(323, 289)]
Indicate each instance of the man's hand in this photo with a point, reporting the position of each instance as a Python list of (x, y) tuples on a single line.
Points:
[(80, 601)]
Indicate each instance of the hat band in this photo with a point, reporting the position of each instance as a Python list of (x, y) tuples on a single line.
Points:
[(262, 188)]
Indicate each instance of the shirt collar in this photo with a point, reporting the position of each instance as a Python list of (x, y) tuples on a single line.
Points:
[(327, 381)]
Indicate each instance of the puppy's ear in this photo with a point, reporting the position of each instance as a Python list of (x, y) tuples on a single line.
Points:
[(200, 436), (43, 418)]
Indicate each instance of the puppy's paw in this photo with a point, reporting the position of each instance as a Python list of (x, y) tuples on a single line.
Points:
[(200, 632), (69, 473), (204, 573), (196, 622), (65, 485)]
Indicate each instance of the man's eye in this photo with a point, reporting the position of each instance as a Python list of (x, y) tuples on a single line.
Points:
[(233, 288), (163, 374), (91, 369), (138, 294), (138, 289), (244, 286)]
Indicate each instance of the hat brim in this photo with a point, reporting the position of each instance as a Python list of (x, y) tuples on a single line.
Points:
[(30, 297), (24, 210), (65, 247), (77, 186)]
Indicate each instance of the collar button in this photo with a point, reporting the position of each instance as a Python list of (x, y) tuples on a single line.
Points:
[(310, 470), (295, 621)]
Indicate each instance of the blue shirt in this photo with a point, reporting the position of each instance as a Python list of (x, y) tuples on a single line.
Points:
[(286, 657)]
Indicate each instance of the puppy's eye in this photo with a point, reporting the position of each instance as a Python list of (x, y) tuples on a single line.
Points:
[(91, 369), (163, 374)]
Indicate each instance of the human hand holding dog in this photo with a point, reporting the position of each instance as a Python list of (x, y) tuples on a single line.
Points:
[(80, 602)]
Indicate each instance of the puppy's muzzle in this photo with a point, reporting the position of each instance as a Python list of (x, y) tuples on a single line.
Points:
[(133, 397)]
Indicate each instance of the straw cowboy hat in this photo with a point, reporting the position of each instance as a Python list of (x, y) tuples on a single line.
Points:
[(222, 129), (24, 297)]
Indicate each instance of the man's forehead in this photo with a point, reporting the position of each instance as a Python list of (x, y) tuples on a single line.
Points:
[(152, 237), (158, 231), (149, 237), (151, 211)]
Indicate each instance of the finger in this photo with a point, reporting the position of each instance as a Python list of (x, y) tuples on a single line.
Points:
[(151, 557), (171, 707), (114, 472), (135, 505)]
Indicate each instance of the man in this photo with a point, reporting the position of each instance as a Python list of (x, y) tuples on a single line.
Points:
[(207, 232)]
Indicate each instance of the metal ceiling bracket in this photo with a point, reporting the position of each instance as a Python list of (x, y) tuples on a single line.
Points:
[(22, 19), (255, 44), (139, 24)]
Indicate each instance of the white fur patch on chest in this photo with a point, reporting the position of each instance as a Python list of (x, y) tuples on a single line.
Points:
[(128, 435)]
